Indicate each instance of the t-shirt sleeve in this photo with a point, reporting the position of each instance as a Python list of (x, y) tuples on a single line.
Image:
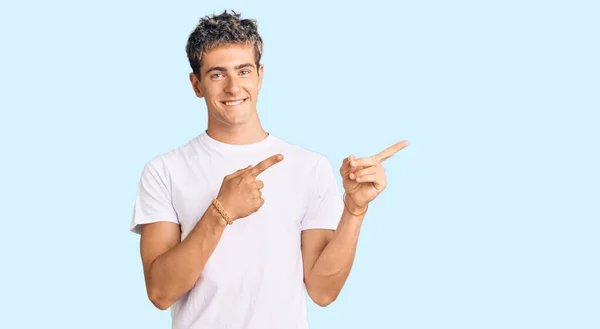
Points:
[(153, 200), (325, 204)]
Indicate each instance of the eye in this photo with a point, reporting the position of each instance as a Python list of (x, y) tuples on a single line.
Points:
[(217, 75), (245, 72)]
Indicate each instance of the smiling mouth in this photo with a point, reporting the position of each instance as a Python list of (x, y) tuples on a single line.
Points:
[(234, 102)]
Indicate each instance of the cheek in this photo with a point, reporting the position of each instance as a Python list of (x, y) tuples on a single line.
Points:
[(252, 85), (211, 93)]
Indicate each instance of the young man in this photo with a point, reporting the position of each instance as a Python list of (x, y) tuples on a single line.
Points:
[(238, 225)]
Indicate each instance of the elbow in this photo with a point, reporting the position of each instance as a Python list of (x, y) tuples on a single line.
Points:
[(320, 293), (161, 305), (159, 300), (323, 299)]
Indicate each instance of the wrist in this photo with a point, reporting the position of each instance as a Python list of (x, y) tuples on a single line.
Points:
[(225, 210), (353, 208), (218, 221)]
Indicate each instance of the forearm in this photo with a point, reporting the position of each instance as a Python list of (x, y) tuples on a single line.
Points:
[(176, 271), (330, 271)]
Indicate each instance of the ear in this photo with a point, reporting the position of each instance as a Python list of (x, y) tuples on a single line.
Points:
[(261, 71), (196, 85)]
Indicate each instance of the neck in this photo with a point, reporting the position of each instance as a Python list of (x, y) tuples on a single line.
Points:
[(249, 133)]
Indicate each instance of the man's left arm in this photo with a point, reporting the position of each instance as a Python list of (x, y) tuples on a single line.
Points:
[(328, 255)]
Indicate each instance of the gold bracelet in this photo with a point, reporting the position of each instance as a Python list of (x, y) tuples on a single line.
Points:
[(222, 211), (344, 199)]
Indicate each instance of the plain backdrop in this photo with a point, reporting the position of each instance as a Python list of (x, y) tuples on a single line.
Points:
[(490, 218)]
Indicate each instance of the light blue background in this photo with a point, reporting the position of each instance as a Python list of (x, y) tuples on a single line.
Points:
[(490, 219)]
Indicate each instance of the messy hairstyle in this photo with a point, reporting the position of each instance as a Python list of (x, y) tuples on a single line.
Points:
[(219, 30)]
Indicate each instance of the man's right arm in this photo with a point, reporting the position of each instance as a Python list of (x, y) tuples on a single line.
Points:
[(172, 268)]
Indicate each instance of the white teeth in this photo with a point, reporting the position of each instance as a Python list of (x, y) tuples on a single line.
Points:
[(234, 102)]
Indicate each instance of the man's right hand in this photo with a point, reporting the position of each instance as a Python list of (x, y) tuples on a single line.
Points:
[(240, 193)]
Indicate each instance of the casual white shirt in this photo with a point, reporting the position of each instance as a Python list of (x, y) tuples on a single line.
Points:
[(254, 278)]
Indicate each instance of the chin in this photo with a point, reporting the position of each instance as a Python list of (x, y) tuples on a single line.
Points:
[(237, 119)]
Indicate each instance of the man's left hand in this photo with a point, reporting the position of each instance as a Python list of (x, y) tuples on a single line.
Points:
[(364, 178)]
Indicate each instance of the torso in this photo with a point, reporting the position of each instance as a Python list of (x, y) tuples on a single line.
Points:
[(254, 278)]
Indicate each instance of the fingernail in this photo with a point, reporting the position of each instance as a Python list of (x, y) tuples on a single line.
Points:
[(353, 163)]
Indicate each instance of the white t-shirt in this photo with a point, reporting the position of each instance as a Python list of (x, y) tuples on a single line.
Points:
[(254, 278)]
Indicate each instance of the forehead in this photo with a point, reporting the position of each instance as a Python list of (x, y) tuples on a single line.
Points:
[(228, 56)]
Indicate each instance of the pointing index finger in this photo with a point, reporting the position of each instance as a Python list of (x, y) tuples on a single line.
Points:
[(380, 157), (388, 152), (266, 164)]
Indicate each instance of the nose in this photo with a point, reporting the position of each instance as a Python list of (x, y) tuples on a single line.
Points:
[(232, 86)]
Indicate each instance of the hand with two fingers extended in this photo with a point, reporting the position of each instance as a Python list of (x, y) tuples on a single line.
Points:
[(240, 193), (364, 178)]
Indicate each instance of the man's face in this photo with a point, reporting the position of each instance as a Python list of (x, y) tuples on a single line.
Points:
[(229, 82)]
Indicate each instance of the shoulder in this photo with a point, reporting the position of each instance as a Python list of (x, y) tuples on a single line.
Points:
[(165, 161)]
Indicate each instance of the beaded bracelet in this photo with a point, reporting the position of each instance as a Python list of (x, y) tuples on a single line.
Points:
[(222, 211)]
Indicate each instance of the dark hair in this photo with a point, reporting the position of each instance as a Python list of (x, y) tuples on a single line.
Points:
[(218, 30)]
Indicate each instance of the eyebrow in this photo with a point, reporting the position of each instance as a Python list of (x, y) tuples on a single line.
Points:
[(222, 69)]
